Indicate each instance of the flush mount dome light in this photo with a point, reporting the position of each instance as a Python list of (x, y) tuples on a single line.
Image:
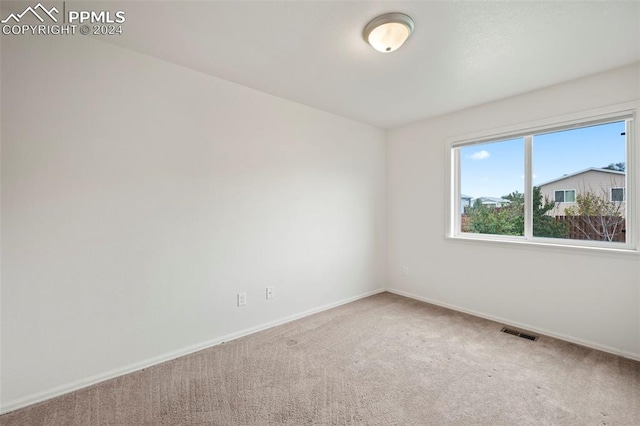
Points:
[(388, 32)]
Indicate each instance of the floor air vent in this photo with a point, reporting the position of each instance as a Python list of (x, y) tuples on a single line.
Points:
[(519, 334)]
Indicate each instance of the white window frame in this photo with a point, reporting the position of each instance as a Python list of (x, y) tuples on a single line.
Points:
[(624, 194), (564, 196), (624, 112)]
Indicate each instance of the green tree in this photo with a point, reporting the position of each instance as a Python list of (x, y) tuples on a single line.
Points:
[(509, 219), (506, 220), (618, 167), (543, 224)]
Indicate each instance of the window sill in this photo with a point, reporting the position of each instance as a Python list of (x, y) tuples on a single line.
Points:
[(538, 244)]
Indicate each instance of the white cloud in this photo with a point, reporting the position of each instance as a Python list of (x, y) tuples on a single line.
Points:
[(480, 155)]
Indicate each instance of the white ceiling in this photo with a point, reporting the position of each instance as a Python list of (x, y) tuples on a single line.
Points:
[(461, 53)]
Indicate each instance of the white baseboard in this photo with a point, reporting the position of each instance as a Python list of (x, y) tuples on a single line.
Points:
[(523, 326), (92, 380)]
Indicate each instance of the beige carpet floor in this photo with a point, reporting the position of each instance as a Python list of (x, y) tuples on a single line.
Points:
[(383, 360)]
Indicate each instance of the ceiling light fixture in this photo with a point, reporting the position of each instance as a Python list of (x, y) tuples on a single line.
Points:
[(388, 32)]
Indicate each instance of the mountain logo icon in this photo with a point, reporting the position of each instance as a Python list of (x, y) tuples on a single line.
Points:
[(34, 11)]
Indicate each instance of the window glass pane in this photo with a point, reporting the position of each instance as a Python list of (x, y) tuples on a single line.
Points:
[(593, 161), (617, 194), (492, 187), (570, 196)]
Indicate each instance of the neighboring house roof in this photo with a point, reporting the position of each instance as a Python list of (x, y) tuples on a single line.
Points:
[(590, 169), (487, 200), (466, 197)]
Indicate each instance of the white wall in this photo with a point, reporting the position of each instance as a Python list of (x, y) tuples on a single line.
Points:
[(585, 296), (139, 197)]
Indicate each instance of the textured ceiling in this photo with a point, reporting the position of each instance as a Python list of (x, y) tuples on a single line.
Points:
[(312, 52)]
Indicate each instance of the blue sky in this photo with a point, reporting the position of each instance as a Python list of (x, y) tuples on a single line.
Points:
[(497, 169)]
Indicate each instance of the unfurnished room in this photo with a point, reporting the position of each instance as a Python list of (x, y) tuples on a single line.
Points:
[(319, 213)]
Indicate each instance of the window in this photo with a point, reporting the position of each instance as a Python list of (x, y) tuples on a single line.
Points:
[(482, 173), (617, 194), (565, 196), (515, 184)]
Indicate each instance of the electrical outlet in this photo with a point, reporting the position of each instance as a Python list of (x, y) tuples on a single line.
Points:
[(405, 270), (269, 292), (242, 299)]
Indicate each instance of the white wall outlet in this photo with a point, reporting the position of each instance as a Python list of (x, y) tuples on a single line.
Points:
[(270, 292), (405, 270), (242, 299)]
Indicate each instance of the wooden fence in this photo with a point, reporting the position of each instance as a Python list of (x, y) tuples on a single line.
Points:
[(595, 228), (464, 223)]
